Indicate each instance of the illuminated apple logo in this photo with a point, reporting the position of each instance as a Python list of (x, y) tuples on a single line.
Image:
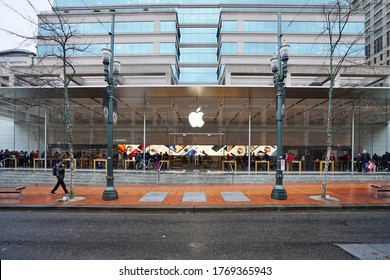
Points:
[(196, 118)]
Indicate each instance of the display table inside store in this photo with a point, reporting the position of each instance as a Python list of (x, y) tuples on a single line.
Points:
[(74, 163), (261, 162), (164, 164), (128, 162), (322, 163), (99, 160), (230, 164), (40, 161), (85, 163), (299, 164)]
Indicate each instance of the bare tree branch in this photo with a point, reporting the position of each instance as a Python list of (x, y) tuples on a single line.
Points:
[(53, 30), (341, 49)]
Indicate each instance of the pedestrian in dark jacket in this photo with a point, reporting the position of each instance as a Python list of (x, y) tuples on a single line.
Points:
[(60, 174), (385, 161)]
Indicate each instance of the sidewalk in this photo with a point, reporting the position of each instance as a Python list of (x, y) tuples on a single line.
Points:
[(343, 195)]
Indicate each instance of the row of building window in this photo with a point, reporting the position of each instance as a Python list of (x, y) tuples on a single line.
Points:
[(378, 45), (378, 6), (105, 27), (296, 49), (203, 54), (295, 27), (198, 15), (209, 33), (89, 3), (198, 35)]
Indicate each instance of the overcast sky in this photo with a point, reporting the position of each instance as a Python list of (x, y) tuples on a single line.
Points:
[(10, 20)]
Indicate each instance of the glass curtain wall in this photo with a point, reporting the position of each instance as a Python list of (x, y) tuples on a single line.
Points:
[(230, 122)]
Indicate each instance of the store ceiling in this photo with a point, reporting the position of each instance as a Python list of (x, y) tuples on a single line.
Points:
[(222, 105)]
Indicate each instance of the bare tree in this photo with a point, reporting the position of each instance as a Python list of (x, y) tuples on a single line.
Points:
[(60, 34), (342, 52), (55, 30)]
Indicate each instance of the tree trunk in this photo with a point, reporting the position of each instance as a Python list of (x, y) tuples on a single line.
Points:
[(329, 139), (69, 130)]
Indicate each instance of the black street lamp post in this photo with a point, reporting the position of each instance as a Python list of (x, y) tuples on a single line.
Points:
[(279, 69), (110, 75)]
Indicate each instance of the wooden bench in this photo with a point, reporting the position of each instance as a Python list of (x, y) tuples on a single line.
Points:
[(18, 190), (379, 188)]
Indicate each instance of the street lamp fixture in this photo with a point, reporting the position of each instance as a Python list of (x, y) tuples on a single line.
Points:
[(117, 67), (111, 71), (106, 55), (284, 51), (279, 70)]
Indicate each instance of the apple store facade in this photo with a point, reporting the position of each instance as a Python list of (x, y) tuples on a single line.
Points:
[(181, 59), (237, 121)]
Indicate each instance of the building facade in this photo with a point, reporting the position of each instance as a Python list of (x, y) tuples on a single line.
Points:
[(377, 29), (199, 38), (178, 56)]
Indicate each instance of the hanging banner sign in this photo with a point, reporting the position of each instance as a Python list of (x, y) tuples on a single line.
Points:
[(105, 108)]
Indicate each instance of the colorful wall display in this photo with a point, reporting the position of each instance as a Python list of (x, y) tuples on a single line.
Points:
[(195, 150)]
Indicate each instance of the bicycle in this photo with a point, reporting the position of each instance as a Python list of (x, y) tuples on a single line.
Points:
[(149, 165)]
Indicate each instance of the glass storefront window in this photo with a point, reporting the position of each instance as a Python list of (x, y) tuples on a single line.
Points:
[(232, 120)]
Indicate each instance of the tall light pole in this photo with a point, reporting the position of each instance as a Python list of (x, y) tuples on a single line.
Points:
[(110, 76), (279, 69)]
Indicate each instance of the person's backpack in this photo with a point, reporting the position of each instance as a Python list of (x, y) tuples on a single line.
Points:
[(54, 170)]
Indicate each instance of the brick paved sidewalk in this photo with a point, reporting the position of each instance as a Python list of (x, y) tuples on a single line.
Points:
[(342, 194)]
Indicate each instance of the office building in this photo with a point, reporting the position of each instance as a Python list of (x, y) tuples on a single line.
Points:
[(377, 30)]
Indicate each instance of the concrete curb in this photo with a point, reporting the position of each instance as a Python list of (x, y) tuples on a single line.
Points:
[(197, 208)]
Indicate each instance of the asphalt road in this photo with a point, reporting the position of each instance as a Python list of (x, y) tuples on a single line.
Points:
[(269, 235)]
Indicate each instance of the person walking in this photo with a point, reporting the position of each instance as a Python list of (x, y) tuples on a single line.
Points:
[(366, 158), (60, 174), (385, 161)]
